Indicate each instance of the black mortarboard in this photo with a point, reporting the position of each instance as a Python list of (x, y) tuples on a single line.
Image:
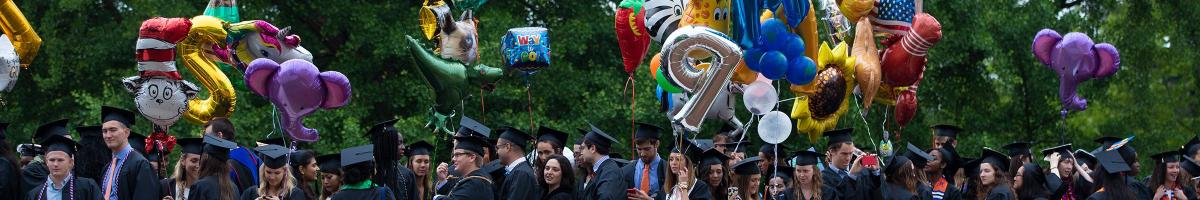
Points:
[(3, 131), (971, 168), (838, 136), (1166, 157), (620, 162), (739, 146), (951, 159), (726, 128), (1062, 150), (517, 137), (217, 148), (1085, 158), (330, 163), (1112, 162), (1192, 146), (1018, 148), (1126, 150), (274, 156), (894, 164), (138, 142), (57, 127), (470, 127), (90, 132), (713, 157), (996, 159), (647, 132), (599, 138), (918, 156), (59, 143), (748, 166), (384, 127), (191, 145), (275, 141), (688, 148), (116, 114), (807, 157), (419, 148), (946, 130), (1190, 166), (769, 149), (472, 144), (359, 154), (554, 137), (782, 171)]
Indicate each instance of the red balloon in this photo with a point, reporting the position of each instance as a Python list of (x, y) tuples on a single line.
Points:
[(632, 36), (906, 106), (904, 60)]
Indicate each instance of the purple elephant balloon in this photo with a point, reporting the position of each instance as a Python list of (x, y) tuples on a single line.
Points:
[(297, 89), (1076, 59)]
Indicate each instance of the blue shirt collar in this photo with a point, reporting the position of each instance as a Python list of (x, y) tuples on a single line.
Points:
[(596, 166)]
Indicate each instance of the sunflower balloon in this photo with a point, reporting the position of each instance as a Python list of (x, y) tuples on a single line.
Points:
[(828, 96)]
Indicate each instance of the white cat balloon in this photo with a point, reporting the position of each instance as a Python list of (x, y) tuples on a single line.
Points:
[(159, 99)]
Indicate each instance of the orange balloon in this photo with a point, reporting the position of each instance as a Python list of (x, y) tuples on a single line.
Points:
[(868, 72), (743, 74), (654, 63)]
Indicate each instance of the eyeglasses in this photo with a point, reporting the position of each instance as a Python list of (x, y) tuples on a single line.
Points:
[(460, 154)]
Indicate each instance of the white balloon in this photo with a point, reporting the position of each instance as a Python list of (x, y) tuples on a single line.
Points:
[(10, 64), (760, 98), (775, 127), (161, 100)]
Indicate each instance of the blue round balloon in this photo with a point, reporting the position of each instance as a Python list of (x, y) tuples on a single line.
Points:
[(794, 48), (752, 58), (773, 65), (801, 71), (773, 33)]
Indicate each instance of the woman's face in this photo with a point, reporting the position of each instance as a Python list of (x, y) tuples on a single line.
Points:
[(936, 163), (805, 173), (191, 165), (420, 164), (715, 174), (275, 176), (553, 172), (310, 170), (331, 181), (1066, 167), (987, 174), (1018, 177), (677, 162), (1172, 171), (755, 180), (775, 186)]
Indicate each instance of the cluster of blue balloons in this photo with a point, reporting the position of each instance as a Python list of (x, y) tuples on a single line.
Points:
[(780, 53)]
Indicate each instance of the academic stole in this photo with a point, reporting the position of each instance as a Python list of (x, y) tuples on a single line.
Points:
[(68, 182), (939, 188)]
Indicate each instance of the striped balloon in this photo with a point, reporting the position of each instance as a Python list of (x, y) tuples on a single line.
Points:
[(662, 17)]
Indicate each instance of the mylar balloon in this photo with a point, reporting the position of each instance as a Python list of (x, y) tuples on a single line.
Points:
[(662, 17), (760, 98), (460, 40), (226, 10), (828, 96), (450, 81), (906, 106), (1075, 58), (770, 59), (631, 34), (160, 92), (256, 39), (17, 28), (867, 71), (904, 60), (745, 22), (10, 65), (795, 9), (774, 127), (704, 84), (297, 88), (707, 13), (526, 49), (205, 33), (430, 16), (893, 16)]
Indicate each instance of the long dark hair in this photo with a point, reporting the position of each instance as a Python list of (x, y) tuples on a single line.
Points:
[(13, 163), (1033, 183), (905, 176), (718, 190), (219, 169), (358, 172), (300, 159), (1000, 178), (1113, 184), (386, 145), (567, 180), (91, 159), (1159, 176)]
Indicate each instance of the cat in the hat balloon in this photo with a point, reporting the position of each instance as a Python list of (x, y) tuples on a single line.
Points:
[(160, 93)]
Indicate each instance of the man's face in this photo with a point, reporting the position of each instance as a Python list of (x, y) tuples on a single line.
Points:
[(59, 163), (588, 154), (545, 150), (462, 158), (841, 155), (507, 151), (578, 151), (939, 141), (420, 164), (116, 135), (647, 150)]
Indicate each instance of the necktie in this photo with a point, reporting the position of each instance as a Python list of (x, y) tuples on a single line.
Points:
[(645, 186), (112, 168)]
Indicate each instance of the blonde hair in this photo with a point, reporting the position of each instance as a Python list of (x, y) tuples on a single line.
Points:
[(672, 179), (815, 183), (289, 182), (180, 174)]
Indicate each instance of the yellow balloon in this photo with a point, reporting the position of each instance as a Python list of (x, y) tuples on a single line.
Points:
[(205, 32), (855, 9), (430, 14), (833, 65), (743, 74), (709, 13), (24, 39)]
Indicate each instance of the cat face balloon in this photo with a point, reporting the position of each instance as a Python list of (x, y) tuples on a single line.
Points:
[(459, 39), (10, 65), (159, 99)]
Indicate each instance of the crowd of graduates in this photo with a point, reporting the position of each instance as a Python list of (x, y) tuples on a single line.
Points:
[(111, 162)]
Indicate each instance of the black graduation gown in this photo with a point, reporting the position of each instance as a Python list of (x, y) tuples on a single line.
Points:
[(9, 181), (166, 187), (896, 192), (924, 192), (952, 192), (207, 188), (85, 189), (560, 194), (32, 175), (607, 185), (136, 180), (444, 189), (1000, 192), (1140, 190), (378, 192), (827, 193), (630, 172), (700, 191), (865, 187), (252, 193), (521, 183), (476, 186)]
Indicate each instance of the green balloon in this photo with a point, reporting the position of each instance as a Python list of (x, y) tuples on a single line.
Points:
[(450, 80), (666, 85)]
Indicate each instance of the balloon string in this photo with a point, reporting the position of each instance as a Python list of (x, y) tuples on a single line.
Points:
[(866, 125), (529, 106), (630, 82), (1061, 137), (482, 106), (743, 133)]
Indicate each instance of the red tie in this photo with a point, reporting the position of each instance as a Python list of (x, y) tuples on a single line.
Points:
[(646, 178), (108, 186)]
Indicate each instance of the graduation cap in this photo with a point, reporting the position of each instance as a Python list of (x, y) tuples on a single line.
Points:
[(949, 156), (690, 149), (517, 137), (620, 162), (56, 127), (782, 171), (90, 131), (470, 127), (1190, 166), (60, 143), (472, 144), (838, 136), (330, 163), (108, 113), (3, 131), (419, 148), (1085, 158), (769, 149), (727, 128), (217, 148), (807, 157), (1121, 145), (384, 127), (1062, 150), (275, 141), (274, 156), (138, 142), (946, 130), (712, 157), (919, 157), (998, 160), (599, 138), (647, 132), (894, 164), (191, 145), (359, 154), (739, 146), (971, 167), (1112, 162), (748, 166), (1192, 146), (1166, 157), (1018, 148), (704, 144), (554, 137)]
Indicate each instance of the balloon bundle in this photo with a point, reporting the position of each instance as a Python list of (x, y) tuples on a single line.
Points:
[(18, 46)]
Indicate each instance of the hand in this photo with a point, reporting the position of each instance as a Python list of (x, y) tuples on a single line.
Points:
[(1159, 192), (168, 198), (683, 175), (1179, 194), (639, 195), (443, 170)]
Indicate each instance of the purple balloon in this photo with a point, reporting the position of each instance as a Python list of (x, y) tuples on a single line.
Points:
[(1075, 58), (297, 88)]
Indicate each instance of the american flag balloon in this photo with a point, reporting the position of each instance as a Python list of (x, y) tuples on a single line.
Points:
[(893, 16)]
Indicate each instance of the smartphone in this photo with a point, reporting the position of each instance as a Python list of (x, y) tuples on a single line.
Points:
[(631, 191), (870, 160)]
